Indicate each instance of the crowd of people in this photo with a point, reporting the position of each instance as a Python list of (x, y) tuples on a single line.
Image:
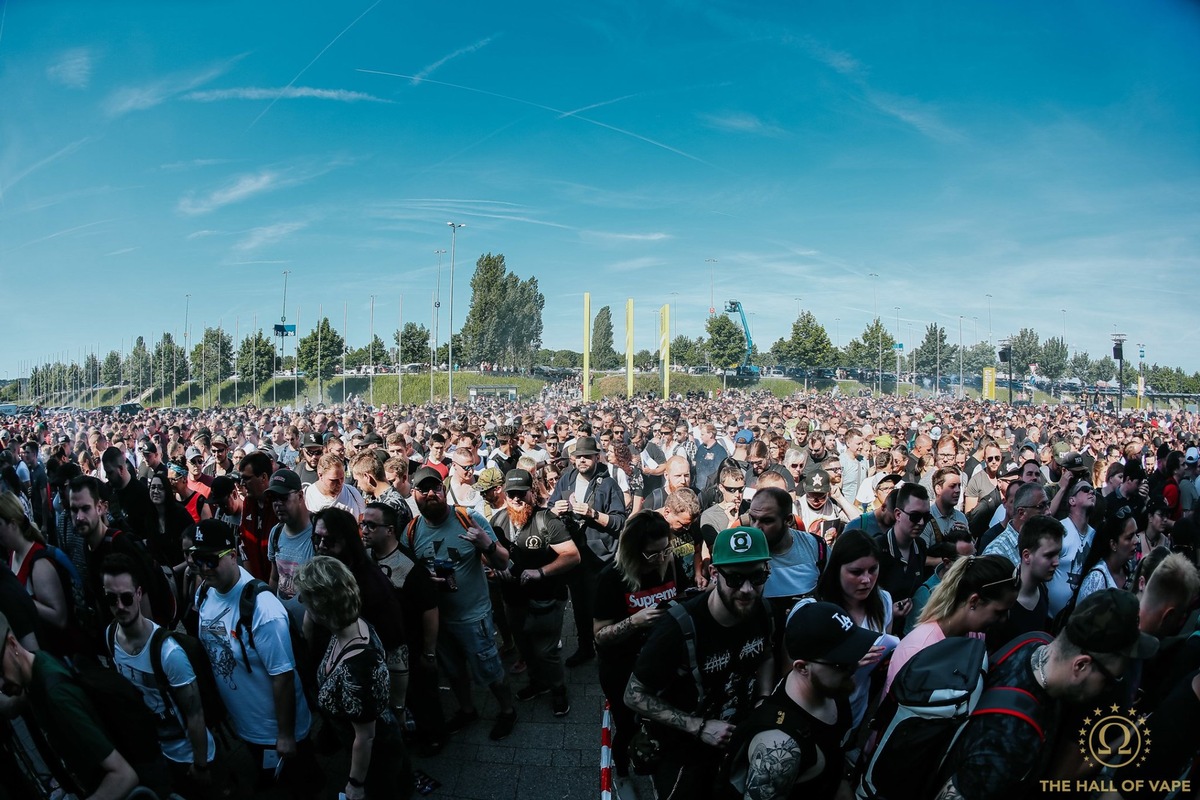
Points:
[(758, 580)]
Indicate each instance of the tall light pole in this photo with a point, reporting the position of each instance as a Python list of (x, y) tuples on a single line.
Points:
[(837, 332), (712, 285), (1064, 313), (875, 291), (975, 336), (674, 320), (371, 356), (797, 299), (437, 304), (961, 391), (282, 321), (399, 340), (989, 299), (897, 352), (187, 357), (454, 226)]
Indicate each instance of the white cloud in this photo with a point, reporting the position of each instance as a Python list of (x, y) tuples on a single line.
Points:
[(73, 68), (269, 234), (462, 51), (284, 93), (149, 95), (836, 60), (738, 122), (628, 237), (921, 116), (241, 188)]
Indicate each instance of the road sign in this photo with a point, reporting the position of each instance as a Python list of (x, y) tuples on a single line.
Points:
[(1141, 352), (898, 346), (285, 330)]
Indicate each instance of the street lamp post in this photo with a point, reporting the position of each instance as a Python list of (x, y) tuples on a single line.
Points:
[(797, 299), (961, 390), (371, 356), (875, 292), (187, 357), (437, 304), (897, 308), (989, 299), (454, 226), (674, 321), (712, 285)]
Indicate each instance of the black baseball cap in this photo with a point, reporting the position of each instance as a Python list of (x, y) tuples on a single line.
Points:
[(1106, 622), (425, 474), (825, 632), (518, 480), (310, 439), (284, 482), (213, 536), (222, 487)]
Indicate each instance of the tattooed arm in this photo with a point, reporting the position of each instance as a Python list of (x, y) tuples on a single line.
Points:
[(776, 765), (642, 700)]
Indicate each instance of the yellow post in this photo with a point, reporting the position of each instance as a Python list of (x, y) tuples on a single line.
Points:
[(629, 347), (587, 346), (664, 347)]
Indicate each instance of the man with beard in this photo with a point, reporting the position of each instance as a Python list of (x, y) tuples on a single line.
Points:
[(678, 476), (591, 505), (311, 451), (791, 746), (703, 688), (89, 511), (534, 594)]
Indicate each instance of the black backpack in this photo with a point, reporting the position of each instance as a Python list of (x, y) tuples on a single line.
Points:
[(215, 713), (120, 709), (929, 704)]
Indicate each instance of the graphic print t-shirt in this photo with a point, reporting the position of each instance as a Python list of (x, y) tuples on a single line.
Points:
[(293, 552), (616, 601)]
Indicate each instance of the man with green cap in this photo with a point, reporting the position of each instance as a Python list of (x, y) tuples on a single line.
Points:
[(705, 665)]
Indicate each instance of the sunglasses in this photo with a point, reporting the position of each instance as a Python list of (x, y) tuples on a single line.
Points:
[(367, 525), (1109, 677), (733, 489), (918, 518), (1014, 580), (112, 599), (657, 555), (835, 665), (210, 560), (737, 580)]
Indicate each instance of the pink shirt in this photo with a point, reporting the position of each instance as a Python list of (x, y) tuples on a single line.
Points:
[(918, 639)]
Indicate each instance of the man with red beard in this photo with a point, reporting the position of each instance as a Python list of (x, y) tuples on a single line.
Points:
[(791, 746), (730, 660), (540, 552)]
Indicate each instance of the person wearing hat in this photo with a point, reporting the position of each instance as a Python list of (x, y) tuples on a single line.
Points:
[(1188, 493), (490, 486), (197, 480), (817, 505), (311, 450), (454, 544), (1004, 755), (730, 658), (290, 545), (219, 462), (256, 671), (541, 553), (791, 745), (225, 497), (592, 506)]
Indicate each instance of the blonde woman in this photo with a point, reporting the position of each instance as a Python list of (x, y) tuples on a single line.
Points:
[(35, 569)]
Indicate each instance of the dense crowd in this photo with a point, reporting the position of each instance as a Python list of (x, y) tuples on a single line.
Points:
[(773, 591)]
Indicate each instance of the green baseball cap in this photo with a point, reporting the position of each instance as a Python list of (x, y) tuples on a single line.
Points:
[(740, 545)]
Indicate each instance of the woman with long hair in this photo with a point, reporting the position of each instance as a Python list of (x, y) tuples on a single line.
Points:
[(25, 547), (630, 594), (170, 521), (352, 683), (975, 594), (1107, 563), (851, 581)]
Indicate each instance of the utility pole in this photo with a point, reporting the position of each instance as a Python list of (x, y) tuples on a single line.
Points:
[(437, 304), (712, 285), (371, 356), (454, 226), (399, 339), (187, 362)]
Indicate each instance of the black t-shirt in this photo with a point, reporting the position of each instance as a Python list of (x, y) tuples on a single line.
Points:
[(1173, 733), (1021, 620), (307, 476), (1000, 756), (615, 601), (16, 604), (900, 577), (728, 660), (531, 548)]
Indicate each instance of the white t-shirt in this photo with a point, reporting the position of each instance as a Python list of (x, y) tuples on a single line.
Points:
[(172, 726), (247, 693), (1075, 545), (349, 499)]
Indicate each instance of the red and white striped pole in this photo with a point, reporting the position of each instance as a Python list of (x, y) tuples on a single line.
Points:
[(606, 759)]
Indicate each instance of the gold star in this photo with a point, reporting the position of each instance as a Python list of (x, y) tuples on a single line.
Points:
[(1132, 713), (1142, 721), (1087, 721), (1097, 712), (1116, 709)]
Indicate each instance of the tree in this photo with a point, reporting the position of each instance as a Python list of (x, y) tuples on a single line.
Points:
[(170, 365), (137, 366), (726, 342), (91, 370), (978, 357), (603, 354), (443, 351), (1026, 350), (1053, 361), (255, 359), (687, 352), (110, 370), (413, 342), (872, 347), (320, 352), (1080, 367), (566, 359), (808, 346), (212, 357), (644, 359), (504, 323), (1102, 369), (935, 355)]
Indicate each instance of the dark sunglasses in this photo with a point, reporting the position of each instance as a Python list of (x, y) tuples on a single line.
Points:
[(209, 560), (918, 518), (1105, 671), (737, 580), (111, 599), (837, 666)]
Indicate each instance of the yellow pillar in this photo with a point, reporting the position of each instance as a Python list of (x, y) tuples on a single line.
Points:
[(664, 347)]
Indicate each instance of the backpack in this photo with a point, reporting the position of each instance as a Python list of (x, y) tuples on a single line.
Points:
[(80, 609), (122, 713), (929, 704), (160, 579), (410, 533), (243, 632), (214, 709)]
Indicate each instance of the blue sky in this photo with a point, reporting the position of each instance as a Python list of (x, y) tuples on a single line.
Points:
[(1047, 154)]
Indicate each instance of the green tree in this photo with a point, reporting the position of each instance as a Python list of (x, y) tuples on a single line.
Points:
[(443, 351), (566, 359), (726, 342), (320, 352), (255, 359), (110, 370), (413, 342), (644, 359), (1080, 367), (1026, 349), (935, 353), (603, 354), (1052, 363), (212, 357), (1102, 369), (808, 346), (170, 365), (504, 322), (687, 352), (91, 370), (873, 346), (977, 358), (137, 366)]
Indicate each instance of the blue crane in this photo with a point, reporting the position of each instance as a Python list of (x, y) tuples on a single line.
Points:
[(746, 369)]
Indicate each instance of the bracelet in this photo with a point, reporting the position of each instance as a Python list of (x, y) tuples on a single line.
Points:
[(541, 573), (429, 656), (491, 548), (355, 782)]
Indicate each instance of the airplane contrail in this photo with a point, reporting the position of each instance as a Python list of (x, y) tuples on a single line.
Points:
[(315, 58)]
